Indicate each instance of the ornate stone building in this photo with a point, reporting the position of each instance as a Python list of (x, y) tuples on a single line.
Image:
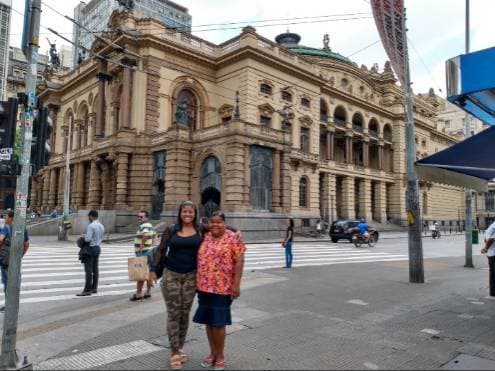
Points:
[(261, 129)]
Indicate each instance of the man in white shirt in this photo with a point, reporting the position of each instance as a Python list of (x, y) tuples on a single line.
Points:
[(489, 250)]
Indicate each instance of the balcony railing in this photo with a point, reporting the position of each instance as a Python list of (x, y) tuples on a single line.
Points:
[(357, 127), (373, 133), (387, 137), (340, 122), (323, 117)]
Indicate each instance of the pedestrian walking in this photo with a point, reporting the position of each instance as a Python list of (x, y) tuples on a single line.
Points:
[(220, 265), (489, 250), (143, 246), (287, 244), (95, 232), (5, 246), (318, 228)]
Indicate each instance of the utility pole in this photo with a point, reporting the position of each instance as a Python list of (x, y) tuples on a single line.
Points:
[(62, 236), (469, 193), (9, 359), (416, 269)]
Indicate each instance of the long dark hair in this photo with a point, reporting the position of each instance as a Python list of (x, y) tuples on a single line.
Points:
[(178, 225), (291, 223)]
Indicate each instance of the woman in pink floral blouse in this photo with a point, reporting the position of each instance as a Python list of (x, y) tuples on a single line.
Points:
[(218, 281)]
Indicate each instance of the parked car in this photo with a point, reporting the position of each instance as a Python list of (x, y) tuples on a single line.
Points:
[(342, 230)]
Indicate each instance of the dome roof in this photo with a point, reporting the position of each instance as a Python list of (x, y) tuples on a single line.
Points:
[(291, 41)]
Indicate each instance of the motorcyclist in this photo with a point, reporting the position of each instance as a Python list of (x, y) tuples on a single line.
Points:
[(364, 230), (436, 229)]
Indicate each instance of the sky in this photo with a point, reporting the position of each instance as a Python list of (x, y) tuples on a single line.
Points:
[(436, 28)]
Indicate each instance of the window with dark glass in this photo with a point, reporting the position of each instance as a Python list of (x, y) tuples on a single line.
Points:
[(266, 89), (303, 192), (305, 139), (286, 96), (226, 119), (265, 120), (305, 102)]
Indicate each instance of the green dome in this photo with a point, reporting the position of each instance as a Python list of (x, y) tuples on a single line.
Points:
[(291, 41)]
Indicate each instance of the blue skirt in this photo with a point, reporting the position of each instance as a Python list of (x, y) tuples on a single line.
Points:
[(213, 310)]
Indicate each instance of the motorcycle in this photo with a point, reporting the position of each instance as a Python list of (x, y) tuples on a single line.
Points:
[(358, 239), (435, 232)]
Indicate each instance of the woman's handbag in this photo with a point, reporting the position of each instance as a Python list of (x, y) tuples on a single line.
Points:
[(138, 268)]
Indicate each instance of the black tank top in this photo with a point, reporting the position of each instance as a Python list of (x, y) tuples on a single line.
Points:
[(182, 253)]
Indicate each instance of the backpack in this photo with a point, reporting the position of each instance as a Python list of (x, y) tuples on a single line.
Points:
[(5, 248)]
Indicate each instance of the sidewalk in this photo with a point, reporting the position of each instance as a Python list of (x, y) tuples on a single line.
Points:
[(349, 316)]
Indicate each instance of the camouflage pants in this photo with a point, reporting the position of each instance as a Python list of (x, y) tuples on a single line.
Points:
[(178, 291)]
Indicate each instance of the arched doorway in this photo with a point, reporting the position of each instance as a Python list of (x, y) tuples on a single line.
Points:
[(211, 185), (261, 170)]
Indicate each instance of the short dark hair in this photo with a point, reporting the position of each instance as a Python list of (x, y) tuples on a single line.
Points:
[(93, 214), (11, 214), (145, 212), (218, 213)]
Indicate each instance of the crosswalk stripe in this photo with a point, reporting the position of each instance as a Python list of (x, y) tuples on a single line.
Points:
[(74, 289), (58, 274)]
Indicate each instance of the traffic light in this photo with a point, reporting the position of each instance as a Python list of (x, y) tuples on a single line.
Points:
[(41, 149)]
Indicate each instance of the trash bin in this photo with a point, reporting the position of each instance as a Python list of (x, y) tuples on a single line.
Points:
[(476, 237)]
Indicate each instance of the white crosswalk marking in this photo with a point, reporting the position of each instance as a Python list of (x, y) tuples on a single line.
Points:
[(55, 273)]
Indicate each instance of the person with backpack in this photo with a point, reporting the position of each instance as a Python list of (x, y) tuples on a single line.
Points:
[(5, 243)]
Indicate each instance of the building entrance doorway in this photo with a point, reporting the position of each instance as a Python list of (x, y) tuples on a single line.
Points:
[(211, 185)]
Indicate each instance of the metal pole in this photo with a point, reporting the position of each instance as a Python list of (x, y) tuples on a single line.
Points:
[(416, 269), (62, 236), (8, 358), (468, 192)]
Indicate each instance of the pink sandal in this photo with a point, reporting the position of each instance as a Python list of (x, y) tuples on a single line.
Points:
[(208, 362), (219, 366)]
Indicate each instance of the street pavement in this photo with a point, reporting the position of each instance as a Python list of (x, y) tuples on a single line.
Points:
[(338, 308)]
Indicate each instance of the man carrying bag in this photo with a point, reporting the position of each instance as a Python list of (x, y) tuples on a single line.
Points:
[(90, 253)]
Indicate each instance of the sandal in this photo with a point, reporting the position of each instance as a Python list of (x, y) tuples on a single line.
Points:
[(183, 356), (219, 365), (136, 298), (208, 362), (175, 362)]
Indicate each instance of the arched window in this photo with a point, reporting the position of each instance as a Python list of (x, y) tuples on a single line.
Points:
[(303, 192), (357, 122), (373, 128), (340, 116), (323, 111), (286, 96), (387, 133), (344, 83), (305, 139), (186, 109)]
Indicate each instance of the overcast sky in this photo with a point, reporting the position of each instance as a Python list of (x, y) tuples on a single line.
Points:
[(436, 28)]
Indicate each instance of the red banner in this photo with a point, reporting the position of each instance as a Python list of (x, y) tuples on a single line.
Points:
[(389, 18)]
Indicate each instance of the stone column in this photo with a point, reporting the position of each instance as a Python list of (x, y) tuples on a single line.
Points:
[(233, 177), (329, 145), (348, 197), (65, 139), (348, 149), (35, 184), (276, 182), (125, 103), (122, 181), (332, 200), (286, 193), (105, 184), (46, 189), (365, 199), (53, 110), (76, 135), (79, 185), (366, 153), (177, 182), (52, 197), (115, 117), (381, 202), (380, 156), (100, 105), (91, 128), (84, 135), (94, 199), (247, 178)]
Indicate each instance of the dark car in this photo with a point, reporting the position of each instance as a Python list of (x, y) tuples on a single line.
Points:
[(342, 230)]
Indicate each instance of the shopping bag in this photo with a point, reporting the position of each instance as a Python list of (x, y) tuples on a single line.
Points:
[(138, 268)]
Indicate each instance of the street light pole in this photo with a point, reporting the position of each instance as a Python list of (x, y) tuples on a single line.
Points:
[(468, 192), (416, 269), (9, 359), (62, 236)]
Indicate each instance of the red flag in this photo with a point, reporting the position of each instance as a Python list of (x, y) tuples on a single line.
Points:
[(390, 21)]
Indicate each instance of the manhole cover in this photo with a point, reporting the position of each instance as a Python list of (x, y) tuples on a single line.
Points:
[(467, 362)]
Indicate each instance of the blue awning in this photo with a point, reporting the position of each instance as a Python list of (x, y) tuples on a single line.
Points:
[(470, 163), (471, 83)]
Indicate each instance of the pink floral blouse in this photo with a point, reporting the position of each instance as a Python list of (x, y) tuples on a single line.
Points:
[(216, 261)]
